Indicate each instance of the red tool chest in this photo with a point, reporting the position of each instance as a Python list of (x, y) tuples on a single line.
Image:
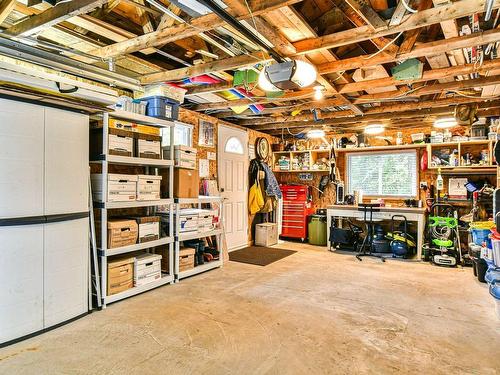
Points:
[(297, 207)]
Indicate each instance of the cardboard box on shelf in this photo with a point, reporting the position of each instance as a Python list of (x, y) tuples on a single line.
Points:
[(122, 232), (186, 183), (121, 188), (148, 187), (186, 258), (120, 274), (149, 228), (148, 146)]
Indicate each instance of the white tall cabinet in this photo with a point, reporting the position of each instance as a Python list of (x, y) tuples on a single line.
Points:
[(44, 243)]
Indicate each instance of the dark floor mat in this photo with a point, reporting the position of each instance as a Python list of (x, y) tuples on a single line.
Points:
[(258, 255)]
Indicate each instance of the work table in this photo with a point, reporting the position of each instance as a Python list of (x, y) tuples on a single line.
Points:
[(415, 214), (394, 209)]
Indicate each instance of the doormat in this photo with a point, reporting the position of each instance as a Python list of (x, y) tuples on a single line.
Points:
[(259, 255)]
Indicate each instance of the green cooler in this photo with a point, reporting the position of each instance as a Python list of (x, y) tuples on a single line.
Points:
[(317, 230)]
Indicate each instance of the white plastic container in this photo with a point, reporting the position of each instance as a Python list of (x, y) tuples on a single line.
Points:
[(148, 187), (147, 268), (496, 252), (121, 187)]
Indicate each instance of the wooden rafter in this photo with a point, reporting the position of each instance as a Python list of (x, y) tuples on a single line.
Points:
[(171, 34), (422, 50), (386, 108), (6, 7), (417, 111), (53, 16), (424, 18)]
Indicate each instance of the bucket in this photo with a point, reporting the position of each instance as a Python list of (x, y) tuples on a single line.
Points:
[(481, 268)]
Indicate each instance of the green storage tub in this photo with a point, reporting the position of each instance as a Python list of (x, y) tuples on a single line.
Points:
[(317, 230)]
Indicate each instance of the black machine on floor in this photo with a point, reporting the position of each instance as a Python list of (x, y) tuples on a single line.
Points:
[(345, 238), (443, 245), (402, 244)]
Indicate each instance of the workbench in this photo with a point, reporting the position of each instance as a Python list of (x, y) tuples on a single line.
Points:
[(384, 213)]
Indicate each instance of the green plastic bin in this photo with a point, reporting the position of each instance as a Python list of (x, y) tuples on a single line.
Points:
[(317, 230)]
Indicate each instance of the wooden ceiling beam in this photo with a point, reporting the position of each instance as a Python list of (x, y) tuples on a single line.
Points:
[(431, 89), (53, 16), (199, 69), (413, 113), (366, 12), (182, 31), (6, 7), (434, 74), (422, 50), (297, 95), (411, 36), (424, 18), (209, 89), (387, 108)]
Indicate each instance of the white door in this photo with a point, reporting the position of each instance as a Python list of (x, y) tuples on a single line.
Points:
[(21, 159), (65, 281), (21, 280), (232, 159), (66, 161)]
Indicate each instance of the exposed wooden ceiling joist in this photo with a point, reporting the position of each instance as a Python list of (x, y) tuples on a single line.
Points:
[(422, 50), (417, 112), (434, 74), (424, 18), (53, 16), (197, 25), (386, 108), (431, 89), (6, 7)]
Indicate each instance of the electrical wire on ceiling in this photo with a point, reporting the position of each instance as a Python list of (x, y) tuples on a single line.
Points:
[(384, 48), (408, 8)]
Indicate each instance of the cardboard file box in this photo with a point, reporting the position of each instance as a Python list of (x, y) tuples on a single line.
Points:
[(120, 275), (147, 268), (148, 187), (266, 234), (186, 258), (149, 228), (122, 233), (148, 146), (120, 142), (184, 157), (121, 188)]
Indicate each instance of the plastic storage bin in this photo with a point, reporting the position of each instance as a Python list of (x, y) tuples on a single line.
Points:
[(495, 293), (481, 235), (317, 230), (162, 107)]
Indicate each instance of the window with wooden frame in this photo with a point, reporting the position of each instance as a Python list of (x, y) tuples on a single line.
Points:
[(392, 174)]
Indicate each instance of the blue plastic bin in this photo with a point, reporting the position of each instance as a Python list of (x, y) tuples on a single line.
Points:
[(162, 107), (481, 235)]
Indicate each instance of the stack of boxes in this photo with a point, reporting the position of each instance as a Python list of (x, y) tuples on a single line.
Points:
[(162, 100)]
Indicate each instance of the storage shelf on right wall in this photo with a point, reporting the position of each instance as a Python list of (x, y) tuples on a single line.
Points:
[(462, 148)]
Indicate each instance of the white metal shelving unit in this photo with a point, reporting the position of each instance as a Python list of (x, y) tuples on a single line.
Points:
[(179, 237), (152, 167)]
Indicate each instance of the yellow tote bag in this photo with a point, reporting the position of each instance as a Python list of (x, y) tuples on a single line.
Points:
[(255, 199)]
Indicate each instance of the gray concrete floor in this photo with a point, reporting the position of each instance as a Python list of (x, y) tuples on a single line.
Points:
[(314, 312)]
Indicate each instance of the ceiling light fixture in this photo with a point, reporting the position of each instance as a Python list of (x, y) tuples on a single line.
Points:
[(374, 129), (288, 75), (318, 92), (445, 123), (315, 133)]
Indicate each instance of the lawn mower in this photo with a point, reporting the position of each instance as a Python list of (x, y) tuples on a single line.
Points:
[(443, 247)]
